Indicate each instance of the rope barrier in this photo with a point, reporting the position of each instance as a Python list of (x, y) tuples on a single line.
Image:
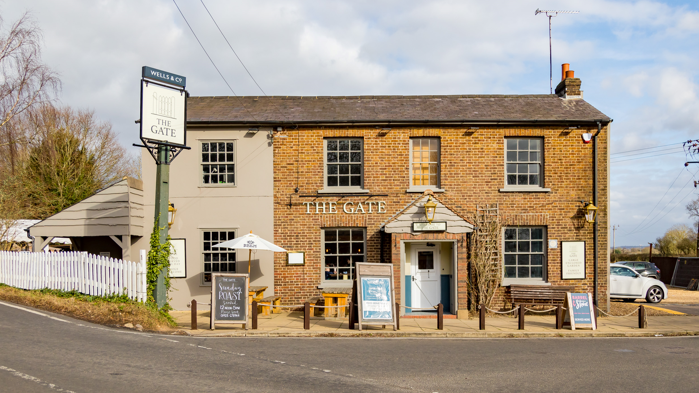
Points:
[(540, 311), (617, 316), (501, 312)]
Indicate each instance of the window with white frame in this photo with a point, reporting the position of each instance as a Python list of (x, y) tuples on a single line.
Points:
[(215, 259), (523, 162), (525, 256), (218, 163), (342, 248), (343, 163), (424, 163)]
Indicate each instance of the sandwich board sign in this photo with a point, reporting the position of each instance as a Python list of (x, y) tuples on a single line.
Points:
[(163, 108), (229, 299), (580, 311), (375, 295)]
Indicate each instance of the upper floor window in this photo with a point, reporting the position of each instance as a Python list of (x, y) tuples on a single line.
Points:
[(218, 163), (523, 166), (424, 163), (344, 163)]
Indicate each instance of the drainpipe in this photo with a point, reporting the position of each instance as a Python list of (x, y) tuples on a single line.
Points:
[(595, 202)]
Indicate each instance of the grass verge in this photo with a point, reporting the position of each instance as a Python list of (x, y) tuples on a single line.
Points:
[(112, 310)]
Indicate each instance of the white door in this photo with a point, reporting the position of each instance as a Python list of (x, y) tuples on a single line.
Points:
[(425, 288)]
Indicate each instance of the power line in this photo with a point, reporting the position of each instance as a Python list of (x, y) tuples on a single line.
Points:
[(656, 205), (212, 61), (640, 158), (230, 46), (630, 154), (646, 148)]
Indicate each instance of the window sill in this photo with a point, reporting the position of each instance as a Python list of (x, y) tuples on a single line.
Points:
[(224, 185), (343, 190), (336, 284), (522, 281), (524, 189), (423, 189)]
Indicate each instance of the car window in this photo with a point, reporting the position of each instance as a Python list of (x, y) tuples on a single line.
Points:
[(639, 265), (622, 271)]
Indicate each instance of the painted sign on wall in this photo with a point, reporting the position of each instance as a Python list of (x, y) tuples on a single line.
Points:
[(178, 258), (349, 207)]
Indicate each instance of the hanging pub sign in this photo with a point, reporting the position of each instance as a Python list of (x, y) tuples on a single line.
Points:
[(229, 299), (580, 311), (375, 294), (163, 107), (573, 260)]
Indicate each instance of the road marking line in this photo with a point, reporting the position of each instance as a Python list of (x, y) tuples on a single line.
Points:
[(666, 310), (34, 379), (34, 312)]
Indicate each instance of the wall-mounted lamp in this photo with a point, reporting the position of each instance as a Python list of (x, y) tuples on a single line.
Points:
[(474, 128), (170, 214), (430, 209), (590, 211)]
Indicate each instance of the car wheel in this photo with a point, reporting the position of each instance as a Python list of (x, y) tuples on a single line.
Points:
[(654, 295), (628, 300)]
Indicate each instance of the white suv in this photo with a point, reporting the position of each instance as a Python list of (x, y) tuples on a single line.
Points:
[(628, 285)]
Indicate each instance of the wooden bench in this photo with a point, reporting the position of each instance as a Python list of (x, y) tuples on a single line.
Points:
[(269, 301), (537, 295)]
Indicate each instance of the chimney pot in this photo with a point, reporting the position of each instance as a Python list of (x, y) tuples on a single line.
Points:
[(564, 67), (570, 74)]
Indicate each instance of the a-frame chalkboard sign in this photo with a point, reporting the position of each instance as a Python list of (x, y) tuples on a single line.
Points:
[(580, 311), (375, 294), (229, 299)]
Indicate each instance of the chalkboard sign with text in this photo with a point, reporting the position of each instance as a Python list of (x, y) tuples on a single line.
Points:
[(229, 299), (580, 311)]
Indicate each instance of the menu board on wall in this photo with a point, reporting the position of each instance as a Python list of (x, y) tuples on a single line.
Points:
[(229, 299), (178, 258), (573, 260), (375, 294)]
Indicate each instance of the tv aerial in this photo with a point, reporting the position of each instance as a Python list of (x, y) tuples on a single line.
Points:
[(551, 14)]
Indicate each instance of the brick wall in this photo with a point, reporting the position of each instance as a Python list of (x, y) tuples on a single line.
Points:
[(472, 173)]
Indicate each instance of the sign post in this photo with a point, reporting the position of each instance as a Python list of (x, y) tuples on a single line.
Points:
[(375, 295), (163, 125)]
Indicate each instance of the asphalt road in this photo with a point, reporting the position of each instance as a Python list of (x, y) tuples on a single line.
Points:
[(689, 309), (47, 353)]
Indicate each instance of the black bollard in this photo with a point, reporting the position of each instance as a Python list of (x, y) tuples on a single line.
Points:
[(351, 315), (559, 317), (194, 314), (481, 317), (397, 316), (521, 317), (642, 321), (440, 316), (306, 315)]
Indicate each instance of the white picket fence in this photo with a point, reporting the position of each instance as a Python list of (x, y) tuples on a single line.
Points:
[(86, 273)]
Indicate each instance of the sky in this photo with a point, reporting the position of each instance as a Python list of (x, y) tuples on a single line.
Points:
[(636, 59)]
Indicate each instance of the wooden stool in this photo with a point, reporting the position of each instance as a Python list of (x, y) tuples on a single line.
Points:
[(269, 301)]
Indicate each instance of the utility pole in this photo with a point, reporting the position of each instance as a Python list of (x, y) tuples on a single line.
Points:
[(551, 14), (614, 228), (650, 252)]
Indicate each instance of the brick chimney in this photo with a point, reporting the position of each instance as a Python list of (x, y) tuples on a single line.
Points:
[(569, 87)]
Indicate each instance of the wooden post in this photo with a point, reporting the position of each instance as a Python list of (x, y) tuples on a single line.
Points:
[(194, 314), (397, 316), (559, 317), (521, 317), (642, 321), (351, 315), (306, 315), (440, 316), (481, 317), (254, 315), (650, 253)]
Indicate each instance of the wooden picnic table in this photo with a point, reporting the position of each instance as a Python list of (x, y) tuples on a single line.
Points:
[(255, 293), (336, 297)]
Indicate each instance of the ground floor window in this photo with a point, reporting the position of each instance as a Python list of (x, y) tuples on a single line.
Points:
[(217, 260), (524, 253), (342, 248)]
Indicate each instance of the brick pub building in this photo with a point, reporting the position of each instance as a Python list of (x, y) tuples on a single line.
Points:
[(352, 175)]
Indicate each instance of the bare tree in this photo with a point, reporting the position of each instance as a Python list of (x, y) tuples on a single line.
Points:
[(693, 210), (26, 81)]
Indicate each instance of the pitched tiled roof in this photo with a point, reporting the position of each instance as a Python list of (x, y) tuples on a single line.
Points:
[(406, 109)]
